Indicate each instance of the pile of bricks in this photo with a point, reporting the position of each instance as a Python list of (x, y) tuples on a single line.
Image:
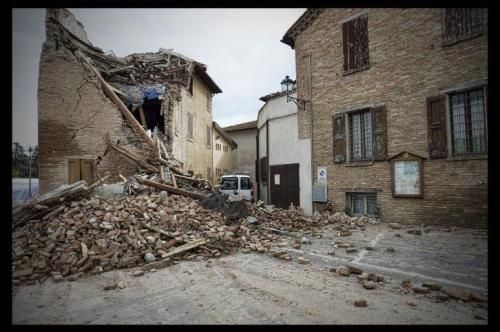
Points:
[(92, 235)]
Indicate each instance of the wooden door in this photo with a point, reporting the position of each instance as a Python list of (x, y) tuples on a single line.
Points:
[(73, 170), (80, 169), (284, 185), (86, 171)]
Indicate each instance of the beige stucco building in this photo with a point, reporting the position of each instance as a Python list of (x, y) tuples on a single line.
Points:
[(245, 156), (223, 145)]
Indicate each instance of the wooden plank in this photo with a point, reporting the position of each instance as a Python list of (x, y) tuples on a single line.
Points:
[(185, 247), (171, 189), (164, 150), (86, 170), (73, 170), (159, 230), (191, 178), (98, 182), (143, 117), (134, 158), (162, 175), (173, 180), (108, 91)]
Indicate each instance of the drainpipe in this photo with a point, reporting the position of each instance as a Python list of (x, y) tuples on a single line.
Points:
[(268, 199), (312, 130), (257, 169)]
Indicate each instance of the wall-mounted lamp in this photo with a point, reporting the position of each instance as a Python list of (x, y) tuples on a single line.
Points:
[(288, 85)]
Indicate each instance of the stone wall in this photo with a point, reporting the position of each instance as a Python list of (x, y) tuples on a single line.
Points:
[(408, 63)]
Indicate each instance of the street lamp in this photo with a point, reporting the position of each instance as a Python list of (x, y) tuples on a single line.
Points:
[(288, 85), (29, 171)]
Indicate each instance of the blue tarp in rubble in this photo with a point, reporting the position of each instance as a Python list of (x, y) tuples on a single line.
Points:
[(137, 93)]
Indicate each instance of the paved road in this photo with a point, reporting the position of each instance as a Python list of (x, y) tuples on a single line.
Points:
[(259, 289)]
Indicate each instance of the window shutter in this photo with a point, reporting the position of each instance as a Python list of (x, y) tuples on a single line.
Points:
[(437, 127), (362, 35), (339, 150), (379, 134), (346, 49)]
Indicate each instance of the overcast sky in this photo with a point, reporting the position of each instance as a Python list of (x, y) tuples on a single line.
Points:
[(241, 48)]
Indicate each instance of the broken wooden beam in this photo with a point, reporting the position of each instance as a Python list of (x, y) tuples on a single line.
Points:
[(108, 91), (99, 182), (143, 117), (171, 189), (159, 230), (191, 178), (173, 180), (185, 247), (162, 174), (130, 155)]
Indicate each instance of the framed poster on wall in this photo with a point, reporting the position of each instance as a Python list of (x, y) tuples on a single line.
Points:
[(407, 175)]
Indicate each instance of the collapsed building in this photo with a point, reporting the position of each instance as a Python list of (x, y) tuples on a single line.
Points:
[(101, 114)]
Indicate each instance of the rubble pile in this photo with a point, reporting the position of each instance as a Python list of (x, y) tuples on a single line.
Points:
[(93, 234)]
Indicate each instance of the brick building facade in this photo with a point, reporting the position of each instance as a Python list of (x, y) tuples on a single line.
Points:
[(386, 84), (169, 92)]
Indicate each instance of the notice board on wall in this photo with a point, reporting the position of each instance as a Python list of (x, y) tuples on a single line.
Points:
[(407, 175)]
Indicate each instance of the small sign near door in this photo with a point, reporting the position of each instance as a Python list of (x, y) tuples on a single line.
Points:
[(276, 179), (322, 174)]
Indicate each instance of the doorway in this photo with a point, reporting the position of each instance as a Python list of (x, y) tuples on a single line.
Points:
[(284, 185)]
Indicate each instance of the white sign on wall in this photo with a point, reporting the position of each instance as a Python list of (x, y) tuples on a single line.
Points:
[(276, 179), (322, 174)]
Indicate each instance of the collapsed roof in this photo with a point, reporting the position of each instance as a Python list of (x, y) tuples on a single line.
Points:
[(164, 67)]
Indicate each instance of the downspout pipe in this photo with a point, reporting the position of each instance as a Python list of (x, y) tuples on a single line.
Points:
[(312, 127)]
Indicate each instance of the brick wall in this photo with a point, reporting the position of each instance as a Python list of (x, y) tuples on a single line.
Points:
[(407, 64), (73, 119)]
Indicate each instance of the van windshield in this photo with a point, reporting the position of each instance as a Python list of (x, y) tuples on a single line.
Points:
[(229, 183)]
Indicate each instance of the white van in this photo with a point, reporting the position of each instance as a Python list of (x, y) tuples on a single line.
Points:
[(237, 186)]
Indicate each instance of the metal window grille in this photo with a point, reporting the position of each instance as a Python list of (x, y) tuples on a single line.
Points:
[(362, 203), (361, 136), (468, 122)]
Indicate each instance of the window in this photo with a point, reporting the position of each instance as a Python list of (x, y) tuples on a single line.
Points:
[(361, 135), (355, 41), (466, 119), (358, 204), (245, 184), (217, 146), (229, 183), (226, 148), (366, 137), (209, 102), (209, 136), (209, 173), (263, 170), (468, 122), (190, 125), (461, 23)]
